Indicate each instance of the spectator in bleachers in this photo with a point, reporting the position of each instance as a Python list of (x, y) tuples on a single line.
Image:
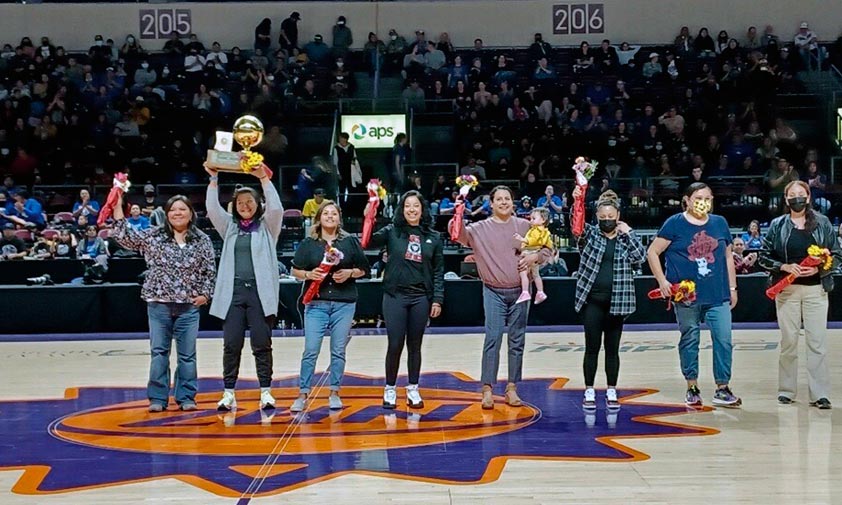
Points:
[(26, 212), (395, 49), (606, 58), (652, 68), (343, 39), (312, 205), (752, 41), (288, 38), (217, 57), (721, 42), (374, 50), (524, 207), (477, 72), (551, 202), (683, 43), (420, 42), (144, 76), (743, 264), (434, 60), (413, 97), (584, 59), (11, 246), (543, 72), (817, 182), (441, 189), (516, 113), (459, 72), (414, 64), (540, 49), (84, 206), (769, 37), (444, 45), (65, 246), (807, 44), (503, 72), (483, 207), (150, 201), (91, 246), (626, 54), (341, 79), (42, 249), (781, 174), (704, 45), (136, 220), (194, 43), (752, 238), (263, 35)]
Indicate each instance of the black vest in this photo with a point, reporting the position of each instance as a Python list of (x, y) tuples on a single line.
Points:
[(344, 158)]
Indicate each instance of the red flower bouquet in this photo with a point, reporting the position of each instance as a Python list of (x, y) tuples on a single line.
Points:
[(682, 292), (584, 171), (120, 185), (465, 183), (331, 258), (376, 192), (816, 257)]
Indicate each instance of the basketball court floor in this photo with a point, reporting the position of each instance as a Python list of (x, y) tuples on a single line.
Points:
[(74, 430)]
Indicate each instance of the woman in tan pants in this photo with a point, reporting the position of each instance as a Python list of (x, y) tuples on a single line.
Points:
[(805, 301)]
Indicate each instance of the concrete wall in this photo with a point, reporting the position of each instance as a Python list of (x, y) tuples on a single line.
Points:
[(499, 23)]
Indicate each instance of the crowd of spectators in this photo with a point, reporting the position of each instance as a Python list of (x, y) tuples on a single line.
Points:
[(658, 118)]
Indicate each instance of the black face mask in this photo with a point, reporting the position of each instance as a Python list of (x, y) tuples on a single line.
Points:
[(607, 225), (798, 203)]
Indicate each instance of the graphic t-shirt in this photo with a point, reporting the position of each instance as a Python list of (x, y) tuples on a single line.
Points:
[(11, 246), (697, 253)]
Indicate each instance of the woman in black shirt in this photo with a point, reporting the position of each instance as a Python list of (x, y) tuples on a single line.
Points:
[(332, 311), (413, 289), (805, 301)]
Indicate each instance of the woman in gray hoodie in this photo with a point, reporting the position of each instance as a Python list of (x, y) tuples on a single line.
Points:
[(246, 292)]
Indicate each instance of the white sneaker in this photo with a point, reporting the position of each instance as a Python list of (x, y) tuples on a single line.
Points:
[(611, 400), (334, 402), (267, 401), (589, 402), (413, 397), (228, 401), (298, 405), (390, 397)]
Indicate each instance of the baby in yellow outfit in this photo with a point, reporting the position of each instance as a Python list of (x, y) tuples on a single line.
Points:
[(536, 239)]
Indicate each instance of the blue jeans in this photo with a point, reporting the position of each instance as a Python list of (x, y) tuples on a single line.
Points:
[(501, 311), (322, 317), (718, 319), (168, 321)]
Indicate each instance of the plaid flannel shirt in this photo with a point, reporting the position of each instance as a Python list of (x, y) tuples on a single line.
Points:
[(628, 251)]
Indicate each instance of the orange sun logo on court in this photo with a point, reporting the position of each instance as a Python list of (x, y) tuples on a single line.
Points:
[(248, 453)]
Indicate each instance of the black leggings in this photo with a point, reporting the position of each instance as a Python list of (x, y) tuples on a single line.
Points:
[(246, 311), (598, 321), (406, 319)]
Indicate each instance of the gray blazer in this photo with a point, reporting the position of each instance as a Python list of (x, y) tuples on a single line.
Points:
[(263, 252)]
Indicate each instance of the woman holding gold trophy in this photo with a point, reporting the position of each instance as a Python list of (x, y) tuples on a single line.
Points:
[(246, 293)]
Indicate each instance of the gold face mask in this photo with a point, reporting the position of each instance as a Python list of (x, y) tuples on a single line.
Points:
[(702, 207)]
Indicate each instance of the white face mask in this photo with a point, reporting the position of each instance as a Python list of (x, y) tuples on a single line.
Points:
[(144, 65), (98, 42), (393, 37), (130, 40), (340, 64), (166, 71)]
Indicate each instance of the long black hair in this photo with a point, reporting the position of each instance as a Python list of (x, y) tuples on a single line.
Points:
[(192, 230), (426, 223), (245, 190)]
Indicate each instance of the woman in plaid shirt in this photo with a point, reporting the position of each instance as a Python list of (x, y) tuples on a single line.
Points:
[(605, 290)]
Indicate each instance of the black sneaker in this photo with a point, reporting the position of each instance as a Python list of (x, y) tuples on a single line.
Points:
[(785, 400), (822, 404)]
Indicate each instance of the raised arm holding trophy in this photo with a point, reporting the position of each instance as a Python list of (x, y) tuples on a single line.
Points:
[(247, 132)]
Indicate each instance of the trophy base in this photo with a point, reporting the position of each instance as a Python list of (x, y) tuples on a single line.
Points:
[(225, 161)]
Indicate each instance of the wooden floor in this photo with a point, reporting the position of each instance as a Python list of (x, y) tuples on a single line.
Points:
[(545, 453)]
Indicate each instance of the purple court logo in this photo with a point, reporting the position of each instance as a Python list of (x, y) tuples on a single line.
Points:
[(250, 453)]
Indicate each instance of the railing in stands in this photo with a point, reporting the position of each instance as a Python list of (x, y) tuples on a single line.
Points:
[(333, 134)]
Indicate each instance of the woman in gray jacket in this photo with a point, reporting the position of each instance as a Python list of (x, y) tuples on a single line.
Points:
[(246, 292)]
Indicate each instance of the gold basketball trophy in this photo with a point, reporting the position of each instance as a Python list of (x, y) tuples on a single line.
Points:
[(247, 132)]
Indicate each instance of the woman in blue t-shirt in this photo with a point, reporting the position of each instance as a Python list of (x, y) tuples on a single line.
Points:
[(697, 247)]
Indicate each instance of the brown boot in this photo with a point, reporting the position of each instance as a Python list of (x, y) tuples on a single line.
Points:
[(512, 399), (487, 398)]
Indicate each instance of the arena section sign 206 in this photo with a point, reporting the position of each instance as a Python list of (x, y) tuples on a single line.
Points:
[(580, 18)]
